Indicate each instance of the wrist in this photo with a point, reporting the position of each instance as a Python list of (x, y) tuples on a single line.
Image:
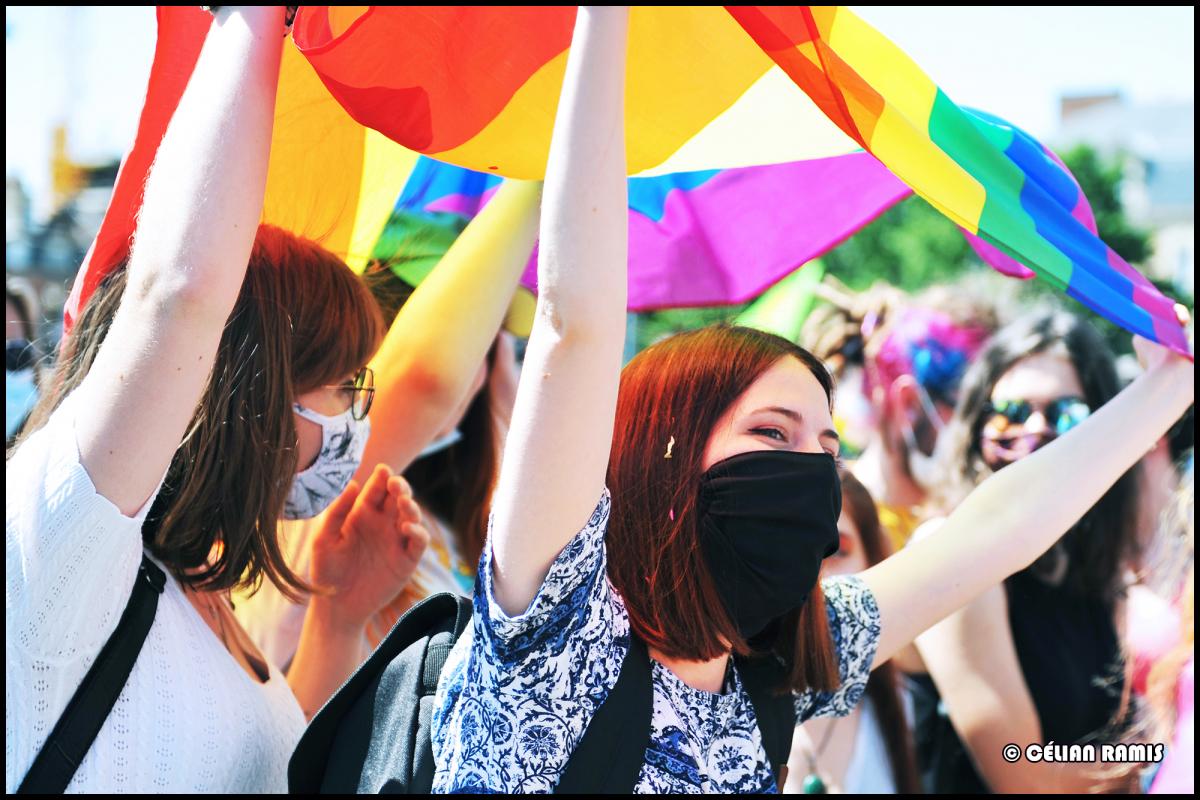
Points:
[(1177, 372), (326, 615)]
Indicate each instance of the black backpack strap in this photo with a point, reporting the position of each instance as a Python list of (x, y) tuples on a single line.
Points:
[(334, 750), (437, 653), (92, 702), (775, 711), (609, 757)]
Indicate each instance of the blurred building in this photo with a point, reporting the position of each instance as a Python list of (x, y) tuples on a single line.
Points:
[(1156, 144), (46, 256)]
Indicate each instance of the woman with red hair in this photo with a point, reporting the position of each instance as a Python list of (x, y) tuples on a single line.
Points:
[(685, 515)]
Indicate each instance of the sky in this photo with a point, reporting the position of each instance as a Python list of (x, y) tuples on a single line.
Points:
[(87, 66)]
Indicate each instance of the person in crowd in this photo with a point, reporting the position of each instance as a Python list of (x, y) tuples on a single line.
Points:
[(1172, 693), (687, 501), (870, 750), (1153, 582), (446, 383), (1160, 634), (902, 360), (213, 384), (20, 359), (1038, 658), (833, 332), (1160, 472)]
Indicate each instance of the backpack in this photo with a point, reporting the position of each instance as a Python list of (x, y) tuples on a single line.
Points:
[(375, 734)]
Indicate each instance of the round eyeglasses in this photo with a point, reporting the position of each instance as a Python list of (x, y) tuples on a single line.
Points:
[(362, 390)]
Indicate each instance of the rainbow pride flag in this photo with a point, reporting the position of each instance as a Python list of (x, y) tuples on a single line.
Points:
[(705, 238), (991, 181), (712, 237), (329, 178), (478, 87), (713, 94)]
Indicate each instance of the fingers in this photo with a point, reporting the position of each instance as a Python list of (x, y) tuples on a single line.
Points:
[(376, 490), (416, 539), (414, 535), (398, 485), (406, 506)]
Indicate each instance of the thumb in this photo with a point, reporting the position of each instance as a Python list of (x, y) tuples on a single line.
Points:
[(335, 515)]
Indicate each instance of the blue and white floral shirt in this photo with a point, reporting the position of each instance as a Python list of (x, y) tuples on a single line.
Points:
[(518, 692)]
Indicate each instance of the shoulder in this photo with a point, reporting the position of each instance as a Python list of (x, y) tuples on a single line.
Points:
[(574, 596), (854, 628), (850, 602)]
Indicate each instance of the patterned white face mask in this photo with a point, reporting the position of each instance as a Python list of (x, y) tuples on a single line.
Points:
[(343, 440)]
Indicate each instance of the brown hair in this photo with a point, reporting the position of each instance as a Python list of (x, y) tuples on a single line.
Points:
[(302, 320), (883, 687), (680, 388), (1105, 539)]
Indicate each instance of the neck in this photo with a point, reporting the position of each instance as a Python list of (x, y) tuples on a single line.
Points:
[(880, 470), (707, 676)]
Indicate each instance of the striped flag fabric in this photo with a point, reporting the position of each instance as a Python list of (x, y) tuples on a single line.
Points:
[(714, 95)]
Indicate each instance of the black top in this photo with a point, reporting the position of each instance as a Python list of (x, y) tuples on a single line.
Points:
[(1071, 661)]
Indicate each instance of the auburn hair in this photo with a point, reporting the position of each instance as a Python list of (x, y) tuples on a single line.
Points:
[(883, 687), (677, 390), (302, 320)]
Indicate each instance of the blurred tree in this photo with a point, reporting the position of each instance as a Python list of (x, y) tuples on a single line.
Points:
[(1100, 178), (1101, 184), (655, 325), (910, 246)]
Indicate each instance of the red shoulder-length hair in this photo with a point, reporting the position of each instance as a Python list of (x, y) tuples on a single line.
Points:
[(677, 390)]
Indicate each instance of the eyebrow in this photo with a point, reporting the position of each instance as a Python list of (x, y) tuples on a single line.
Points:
[(828, 433), (787, 412)]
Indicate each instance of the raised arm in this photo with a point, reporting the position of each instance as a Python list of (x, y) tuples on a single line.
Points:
[(973, 660), (1018, 513), (557, 449), (198, 221), (442, 334)]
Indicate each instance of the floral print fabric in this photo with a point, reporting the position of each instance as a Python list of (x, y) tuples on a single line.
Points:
[(517, 693)]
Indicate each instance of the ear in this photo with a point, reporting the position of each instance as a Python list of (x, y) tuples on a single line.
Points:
[(903, 400)]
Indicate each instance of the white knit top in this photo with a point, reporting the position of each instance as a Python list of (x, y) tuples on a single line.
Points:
[(190, 719)]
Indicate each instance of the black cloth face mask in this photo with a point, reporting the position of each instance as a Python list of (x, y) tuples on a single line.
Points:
[(767, 519)]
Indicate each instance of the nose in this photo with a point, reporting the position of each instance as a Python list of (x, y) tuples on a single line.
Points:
[(810, 443), (1037, 423)]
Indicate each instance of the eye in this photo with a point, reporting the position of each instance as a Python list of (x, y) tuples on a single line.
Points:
[(770, 433)]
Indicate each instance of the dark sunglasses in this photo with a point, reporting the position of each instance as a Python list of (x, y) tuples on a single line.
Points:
[(363, 392), (1061, 414)]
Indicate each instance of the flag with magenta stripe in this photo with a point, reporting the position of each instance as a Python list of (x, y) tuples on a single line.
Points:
[(712, 95)]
